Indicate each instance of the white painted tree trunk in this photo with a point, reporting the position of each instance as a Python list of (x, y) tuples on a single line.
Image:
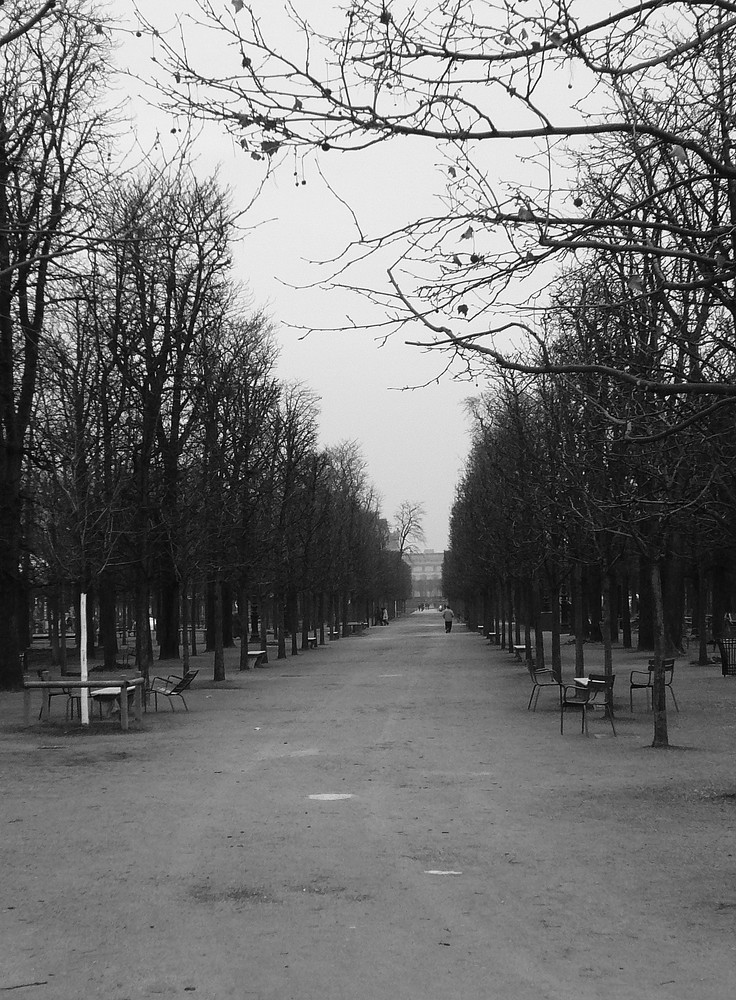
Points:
[(83, 692)]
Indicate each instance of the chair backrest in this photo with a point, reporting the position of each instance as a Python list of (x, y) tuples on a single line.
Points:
[(667, 665), (184, 683), (602, 682)]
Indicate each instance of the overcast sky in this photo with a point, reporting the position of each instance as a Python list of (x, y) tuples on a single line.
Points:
[(414, 441)]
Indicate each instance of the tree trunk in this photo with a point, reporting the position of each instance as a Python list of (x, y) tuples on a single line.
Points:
[(143, 648), (646, 611), (108, 624), (673, 587), (720, 600), (184, 627), (62, 629), (243, 600), (579, 626), (625, 612), (228, 639), (292, 616), (168, 612), (538, 633), (53, 607), (91, 637), (659, 692), (321, 617), (219, 657), (279, 626), (209, 643), (556, 629), (194, 620), (593, 591), (264, 629), (701, 613)]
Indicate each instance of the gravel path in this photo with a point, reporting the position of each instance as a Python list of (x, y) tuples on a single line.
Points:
[(379, 819)]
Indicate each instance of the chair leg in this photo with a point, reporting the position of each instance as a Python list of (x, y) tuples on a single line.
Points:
[(609, 713), (531, 696)]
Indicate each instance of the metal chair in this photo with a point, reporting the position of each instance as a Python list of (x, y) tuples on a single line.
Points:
[(45, 675), (595, 692), (171, 687), (542, 678), (643, 680)]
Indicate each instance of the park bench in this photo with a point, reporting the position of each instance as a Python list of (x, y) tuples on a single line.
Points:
[(255, 656)]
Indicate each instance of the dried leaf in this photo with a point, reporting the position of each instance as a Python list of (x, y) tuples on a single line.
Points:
[(468, 234)]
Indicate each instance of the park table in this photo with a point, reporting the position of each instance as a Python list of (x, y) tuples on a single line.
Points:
[(124, 684)]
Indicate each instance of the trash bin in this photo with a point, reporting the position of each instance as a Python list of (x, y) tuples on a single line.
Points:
[(728, 656)]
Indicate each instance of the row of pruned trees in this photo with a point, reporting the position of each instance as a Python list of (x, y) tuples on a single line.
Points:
[(579, 494), (148, 449)]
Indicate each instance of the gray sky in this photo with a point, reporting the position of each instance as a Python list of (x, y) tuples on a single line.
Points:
[(414, 441)]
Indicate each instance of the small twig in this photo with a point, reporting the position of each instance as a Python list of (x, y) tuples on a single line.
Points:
[(23, 986)]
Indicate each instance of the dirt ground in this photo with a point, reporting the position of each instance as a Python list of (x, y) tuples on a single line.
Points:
[(459, 848)]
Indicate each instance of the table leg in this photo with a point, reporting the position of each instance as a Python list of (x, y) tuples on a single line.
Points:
[(138, 702), (45, 704), (124, 708), (27, 707)]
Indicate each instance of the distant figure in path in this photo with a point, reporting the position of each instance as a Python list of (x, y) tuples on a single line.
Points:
[(448, 614), (384, 616)]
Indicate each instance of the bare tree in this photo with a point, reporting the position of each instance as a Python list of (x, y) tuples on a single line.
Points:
[(467, 78), (21, 18), (408, 526), (52, 139)]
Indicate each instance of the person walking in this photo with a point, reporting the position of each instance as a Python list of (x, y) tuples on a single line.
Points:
[(448, 614), (384, 616)]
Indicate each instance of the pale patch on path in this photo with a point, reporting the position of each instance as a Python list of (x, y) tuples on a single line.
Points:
[(331, 796)]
